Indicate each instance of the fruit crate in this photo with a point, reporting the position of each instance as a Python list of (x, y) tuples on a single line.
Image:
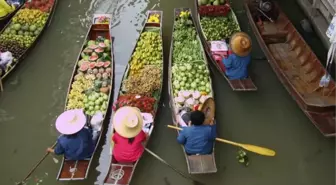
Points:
[(214, 10)]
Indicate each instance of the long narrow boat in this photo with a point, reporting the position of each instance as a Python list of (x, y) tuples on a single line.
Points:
[(20, 52), (297, 67), (215, 45), (145, 67), (187, 77), (4, 20), (92, 79)]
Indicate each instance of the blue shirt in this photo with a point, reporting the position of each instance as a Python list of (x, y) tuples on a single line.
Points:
[(75, 148), (197, 139), (236, 66)]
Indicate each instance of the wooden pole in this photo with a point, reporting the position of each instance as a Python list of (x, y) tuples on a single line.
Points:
[(1, 86)]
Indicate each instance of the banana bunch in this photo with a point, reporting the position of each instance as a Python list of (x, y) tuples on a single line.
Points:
[(76, 95), (154, 18)]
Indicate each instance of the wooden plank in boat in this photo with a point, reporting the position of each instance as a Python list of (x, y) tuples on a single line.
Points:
[(298, 69), (236, 85), (120, 174), (201, 164)]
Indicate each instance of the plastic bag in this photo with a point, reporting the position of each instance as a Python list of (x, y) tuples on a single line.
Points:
[(6, 58), (97, 121)]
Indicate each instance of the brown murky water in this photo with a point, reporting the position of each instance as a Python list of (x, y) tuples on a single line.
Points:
[(35, 93)]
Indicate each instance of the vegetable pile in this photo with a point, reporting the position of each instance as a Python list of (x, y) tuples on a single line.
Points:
[(213, 7), (24, 27), (190, 74), (141, 86), (211, 2), (219, 27), (92, 83)]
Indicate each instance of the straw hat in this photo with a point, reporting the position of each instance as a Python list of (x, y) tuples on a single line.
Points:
[(71, 121), (241, 44), (127, 121)]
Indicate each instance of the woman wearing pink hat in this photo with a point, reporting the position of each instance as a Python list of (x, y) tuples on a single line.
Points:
[(76, 142), (128, 136)]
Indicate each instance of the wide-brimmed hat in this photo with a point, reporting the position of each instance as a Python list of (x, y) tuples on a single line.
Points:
[(127, 121), (241, 44), (70, 121)]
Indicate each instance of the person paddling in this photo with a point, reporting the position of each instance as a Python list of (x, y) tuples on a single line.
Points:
[(237, 62), (197, 137), (75, 143), (128, 137)]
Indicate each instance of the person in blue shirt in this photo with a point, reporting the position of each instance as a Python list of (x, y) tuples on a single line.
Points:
[(237, 62), (76, 142), (197, 138)]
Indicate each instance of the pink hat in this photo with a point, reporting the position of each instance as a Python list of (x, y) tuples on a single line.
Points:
[(70, 121)]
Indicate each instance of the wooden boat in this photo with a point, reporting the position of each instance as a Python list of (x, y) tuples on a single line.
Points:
[(216, 56), (197, 164), (4, 20), (19, 59), (122, 173), (71, 170), (297, 67)]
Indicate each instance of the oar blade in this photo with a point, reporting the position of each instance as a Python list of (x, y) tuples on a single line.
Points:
[(258, 150)]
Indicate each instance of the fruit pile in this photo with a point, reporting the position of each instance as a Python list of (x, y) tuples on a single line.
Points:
[(191, 82), (25, 26), (43, 5), (142, 85), (92, 83), (148, 51), (219, 28), (154, 18)]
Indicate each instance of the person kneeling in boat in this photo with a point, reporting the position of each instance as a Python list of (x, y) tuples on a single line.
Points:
[(76, 142), (237, 62), (129, 136), (197, 138)]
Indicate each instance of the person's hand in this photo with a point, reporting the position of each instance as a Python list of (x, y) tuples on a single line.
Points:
[(212, 122), (189, 124), (50, 150)]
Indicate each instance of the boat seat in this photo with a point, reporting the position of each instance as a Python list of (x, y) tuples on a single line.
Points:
[(199, 164)]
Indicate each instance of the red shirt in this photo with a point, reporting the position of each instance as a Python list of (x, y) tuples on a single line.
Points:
[(125, 152)]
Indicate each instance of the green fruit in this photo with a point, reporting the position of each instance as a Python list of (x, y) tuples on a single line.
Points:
[(32, 28), (216, 3), (17, 27)]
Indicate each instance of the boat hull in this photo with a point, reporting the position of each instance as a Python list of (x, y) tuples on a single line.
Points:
[(236, 85), (197, 164), (71, 170), (281, 43), (122, 173)]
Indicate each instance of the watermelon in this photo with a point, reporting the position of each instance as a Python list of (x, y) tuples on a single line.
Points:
[(93, 47), (107, 64), (92, 65), (93, 58), (84, 67), (102, 45), (100, 64), (99, 51)]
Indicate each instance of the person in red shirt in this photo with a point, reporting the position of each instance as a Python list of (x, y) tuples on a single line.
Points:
[(128, 136)]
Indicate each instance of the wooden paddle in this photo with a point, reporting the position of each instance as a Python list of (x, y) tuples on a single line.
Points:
[(36, 165), (252, 148), (176, 170)]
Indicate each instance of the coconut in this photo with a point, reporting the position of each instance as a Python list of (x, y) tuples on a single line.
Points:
[(105, 76), (99, 76), (90, 71), (95, 71), (108, 70), (101, 70)]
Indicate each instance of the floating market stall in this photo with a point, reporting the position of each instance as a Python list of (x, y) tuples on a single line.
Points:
[(297, 67), (141, 87), (217, 22), (189, 80), (90, 89), (24, 30), (16, 6)]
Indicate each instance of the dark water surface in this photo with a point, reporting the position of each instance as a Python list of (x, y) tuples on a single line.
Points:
[(35, 93)]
